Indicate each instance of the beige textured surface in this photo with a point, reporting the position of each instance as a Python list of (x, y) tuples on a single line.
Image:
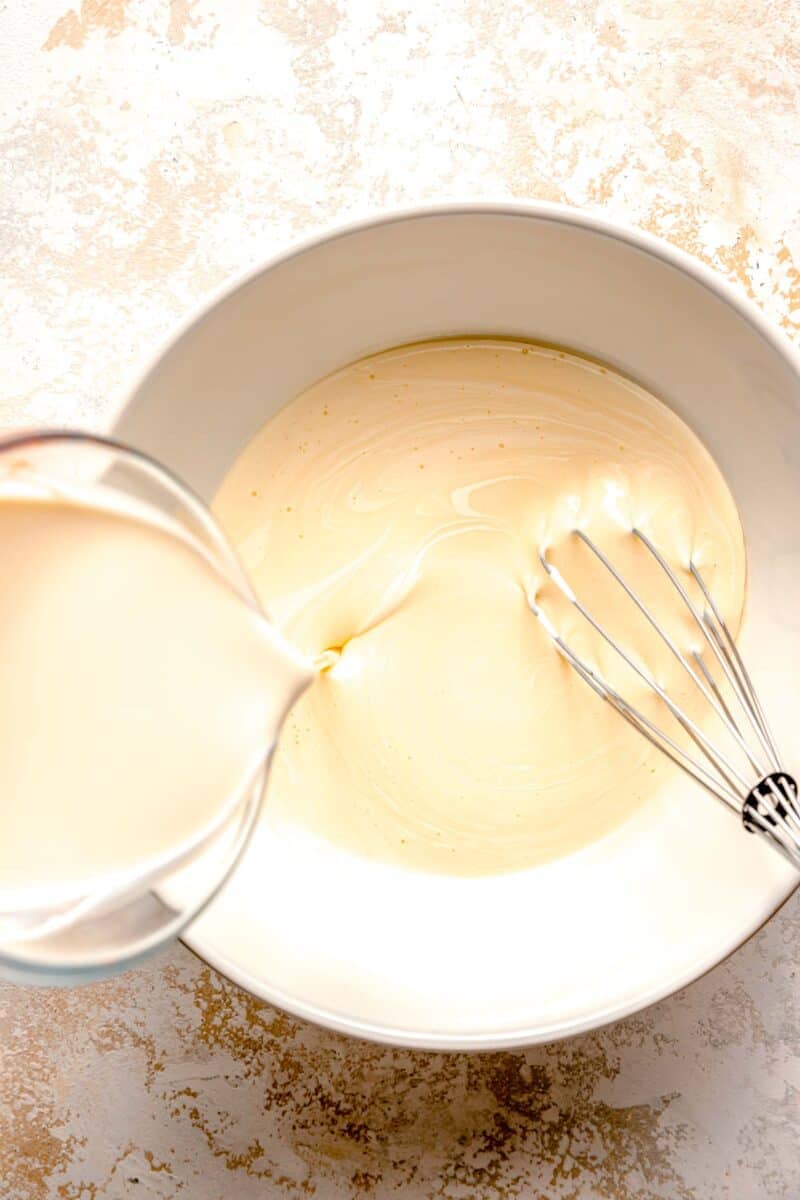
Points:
[(148, 149)]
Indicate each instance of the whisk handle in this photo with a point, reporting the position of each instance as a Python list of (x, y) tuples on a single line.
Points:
[(771, 809)]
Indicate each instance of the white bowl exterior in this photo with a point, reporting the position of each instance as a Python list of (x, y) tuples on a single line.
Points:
[(436, 961)]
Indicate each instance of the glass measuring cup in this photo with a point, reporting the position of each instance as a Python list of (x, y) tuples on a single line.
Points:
[(77, 937)]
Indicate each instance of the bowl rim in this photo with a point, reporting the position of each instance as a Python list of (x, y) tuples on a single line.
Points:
[(619, 231)]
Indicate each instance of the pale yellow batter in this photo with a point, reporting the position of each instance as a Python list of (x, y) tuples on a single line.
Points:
[(393, 515)]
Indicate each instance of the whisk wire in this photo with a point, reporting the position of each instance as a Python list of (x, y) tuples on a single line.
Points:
[(712, 683), (725, 791), (769, 805), (712, 636), (744, 686), (668, 641), (719, 761)]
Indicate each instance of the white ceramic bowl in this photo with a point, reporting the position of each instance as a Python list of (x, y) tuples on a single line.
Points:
[(436, 961)]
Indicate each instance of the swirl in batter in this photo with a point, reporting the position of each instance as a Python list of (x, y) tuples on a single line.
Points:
[(391, 519)]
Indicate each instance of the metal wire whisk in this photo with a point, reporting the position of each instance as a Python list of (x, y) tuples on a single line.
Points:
[(751, 781)]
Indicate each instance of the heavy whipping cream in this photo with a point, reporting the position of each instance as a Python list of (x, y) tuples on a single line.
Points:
[(139, 694)]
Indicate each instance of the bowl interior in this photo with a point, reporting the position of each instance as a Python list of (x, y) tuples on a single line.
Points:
[(448, 962)]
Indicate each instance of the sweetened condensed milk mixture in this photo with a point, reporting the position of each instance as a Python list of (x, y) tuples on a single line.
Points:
[(391, 519)]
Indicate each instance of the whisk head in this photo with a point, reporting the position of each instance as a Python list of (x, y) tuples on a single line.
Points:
[(744, 770)]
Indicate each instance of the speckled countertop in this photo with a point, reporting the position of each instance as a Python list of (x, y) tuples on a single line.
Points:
[(148, 149)]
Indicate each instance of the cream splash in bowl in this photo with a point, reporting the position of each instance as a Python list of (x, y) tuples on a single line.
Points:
[(374, 945)]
